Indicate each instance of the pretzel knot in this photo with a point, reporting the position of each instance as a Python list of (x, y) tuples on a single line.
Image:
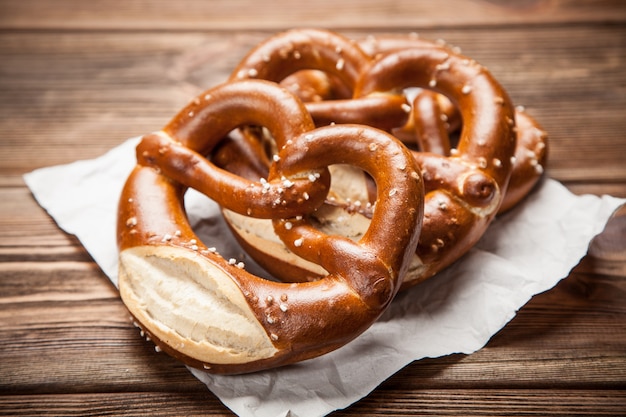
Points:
[(343, 81), (210, 312)]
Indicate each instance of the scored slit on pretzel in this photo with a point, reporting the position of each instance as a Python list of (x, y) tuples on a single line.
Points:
[(210, 312)]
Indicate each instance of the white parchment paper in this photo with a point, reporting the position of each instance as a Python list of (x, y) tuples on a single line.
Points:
[(525, 252)]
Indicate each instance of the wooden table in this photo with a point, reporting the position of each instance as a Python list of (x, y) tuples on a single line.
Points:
[(79, 77)]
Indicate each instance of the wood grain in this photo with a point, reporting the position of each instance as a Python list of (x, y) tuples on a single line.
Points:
[(79, 77), (454, 402), (272, 15), (552, 82)]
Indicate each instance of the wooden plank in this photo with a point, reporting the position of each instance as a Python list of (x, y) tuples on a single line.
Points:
[(499, 402), (238, 15), (387, 402), (119, 403), (79, 77), (80, 334), (95, 90), (30, 235)]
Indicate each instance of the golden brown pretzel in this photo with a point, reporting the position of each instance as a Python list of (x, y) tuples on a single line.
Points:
[(210, 312), (433, 117), (464, 189)]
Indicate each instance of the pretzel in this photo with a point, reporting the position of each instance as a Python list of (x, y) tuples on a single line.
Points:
[(210, 312), (433, 117), (465, 185)]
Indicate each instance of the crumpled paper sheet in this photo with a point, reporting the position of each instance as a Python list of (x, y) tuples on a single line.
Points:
[(525, 252)]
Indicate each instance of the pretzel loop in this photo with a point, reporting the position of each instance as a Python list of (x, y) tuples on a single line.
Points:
[(179, 149), (458, 211), (487, 133), (381, 156), (434, 117), (310, 49)]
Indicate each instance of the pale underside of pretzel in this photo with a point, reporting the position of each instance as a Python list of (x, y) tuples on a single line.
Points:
[(466, 185), (210, 312)]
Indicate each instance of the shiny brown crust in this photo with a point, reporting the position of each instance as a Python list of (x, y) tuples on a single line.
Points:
[(284, 55), (433, 116), (296, 321), (434, 119), (466, 183), (531, 157)]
